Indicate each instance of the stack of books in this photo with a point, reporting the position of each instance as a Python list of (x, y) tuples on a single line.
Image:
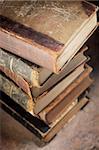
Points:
[(43, 72)]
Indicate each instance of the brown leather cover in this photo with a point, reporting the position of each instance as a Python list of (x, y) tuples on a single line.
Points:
[(54, 109), (61, 107), (15, 93), (21, 83), (40, 31), (56, 128)]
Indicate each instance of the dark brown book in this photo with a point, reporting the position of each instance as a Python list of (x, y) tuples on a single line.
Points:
[(48, 33)]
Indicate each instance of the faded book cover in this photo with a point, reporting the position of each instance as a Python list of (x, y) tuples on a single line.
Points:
[(65, 99), (47, 97), (28, 102), (14, 92), (48, 33), (31, 78)]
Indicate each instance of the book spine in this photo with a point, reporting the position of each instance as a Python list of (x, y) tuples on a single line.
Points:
[(77, 87), (43, 114), (56, 111), (14, 92), (65, 119), (16, 65), (31, 52), (16, 79)]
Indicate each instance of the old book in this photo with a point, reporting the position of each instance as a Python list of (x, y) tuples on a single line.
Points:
[(48, 33), (32, 126), (39, 103), (65, 118), (46, 98), (55, 78), (20, 82), (20, 67), (33, 76), (45, 116), (65, 101), (13, 91)]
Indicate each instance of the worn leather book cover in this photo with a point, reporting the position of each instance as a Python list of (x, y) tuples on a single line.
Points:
[(29, 103), (47, 97), (48, 33), (33, 76), (77, 60), (13, 91), (64, 101), (30, 77), (65, 119)]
